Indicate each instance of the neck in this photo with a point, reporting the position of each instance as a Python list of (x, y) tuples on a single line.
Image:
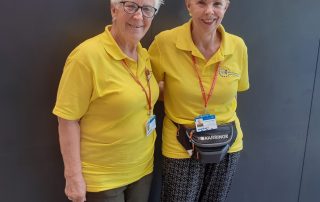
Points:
[(128, 47), (207, 42)]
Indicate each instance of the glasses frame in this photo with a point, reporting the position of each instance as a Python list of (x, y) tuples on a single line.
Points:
[(137, 8)]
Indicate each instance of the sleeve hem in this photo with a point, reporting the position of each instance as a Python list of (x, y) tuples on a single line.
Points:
[(243, 89), (64, 115)]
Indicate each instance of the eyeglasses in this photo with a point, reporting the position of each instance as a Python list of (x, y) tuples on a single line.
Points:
[(131, 7)]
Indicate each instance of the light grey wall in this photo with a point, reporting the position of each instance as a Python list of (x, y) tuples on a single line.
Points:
[(282, 38), (310, 183)]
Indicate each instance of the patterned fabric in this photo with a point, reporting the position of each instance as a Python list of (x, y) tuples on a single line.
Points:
[(187, 180)]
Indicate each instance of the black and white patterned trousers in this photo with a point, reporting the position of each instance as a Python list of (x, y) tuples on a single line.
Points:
[(187, 180)]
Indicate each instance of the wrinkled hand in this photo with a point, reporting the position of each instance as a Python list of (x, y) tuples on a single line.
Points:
[(161, 88), (75, 188)]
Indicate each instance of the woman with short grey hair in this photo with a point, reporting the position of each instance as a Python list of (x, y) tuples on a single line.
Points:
[(105, 110)]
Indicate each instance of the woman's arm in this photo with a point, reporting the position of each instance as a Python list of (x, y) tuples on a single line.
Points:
[(69, 137)]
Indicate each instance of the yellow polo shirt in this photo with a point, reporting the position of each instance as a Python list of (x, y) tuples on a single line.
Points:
[(112, 108), (171, 58)]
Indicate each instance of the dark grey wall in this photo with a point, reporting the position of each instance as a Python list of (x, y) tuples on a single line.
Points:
[(280, 114)]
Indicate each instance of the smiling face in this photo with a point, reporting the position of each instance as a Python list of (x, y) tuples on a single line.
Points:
[(130, 27), (207, 14)]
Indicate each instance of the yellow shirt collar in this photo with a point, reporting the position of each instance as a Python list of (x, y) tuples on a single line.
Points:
[(112, 48), (184, 41)]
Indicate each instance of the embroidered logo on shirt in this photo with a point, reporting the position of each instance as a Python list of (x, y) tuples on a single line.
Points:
[(227, 73)]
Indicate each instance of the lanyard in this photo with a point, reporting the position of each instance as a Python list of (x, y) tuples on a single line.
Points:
[(148, 77), (205, 98)]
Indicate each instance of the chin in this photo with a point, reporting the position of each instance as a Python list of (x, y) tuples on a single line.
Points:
[(136, 38), (210, 28)]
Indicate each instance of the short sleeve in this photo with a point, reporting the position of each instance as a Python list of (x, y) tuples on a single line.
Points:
[(244, 79), (75, 90), (155, 58)]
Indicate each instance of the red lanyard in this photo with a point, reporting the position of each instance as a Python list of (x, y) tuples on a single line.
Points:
[(206, 98), (147, 72)]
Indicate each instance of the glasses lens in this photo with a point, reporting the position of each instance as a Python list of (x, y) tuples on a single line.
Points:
[(130, 7), (148, 11)]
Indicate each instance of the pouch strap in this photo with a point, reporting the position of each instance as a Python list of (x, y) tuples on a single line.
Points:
[(182, 130)]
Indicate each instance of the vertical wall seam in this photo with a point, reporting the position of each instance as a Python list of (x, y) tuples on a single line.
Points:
[(309, 119)]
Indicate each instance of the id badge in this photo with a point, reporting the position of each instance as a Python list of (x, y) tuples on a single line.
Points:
[(205, 122), (151, 125)]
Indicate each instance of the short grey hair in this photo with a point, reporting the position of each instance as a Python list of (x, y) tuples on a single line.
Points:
[(157, 3)]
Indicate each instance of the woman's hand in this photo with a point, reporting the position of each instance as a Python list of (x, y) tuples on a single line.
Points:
[(76, 188), (161, 87)]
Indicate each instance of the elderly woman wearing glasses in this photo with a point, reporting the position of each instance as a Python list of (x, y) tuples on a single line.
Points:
[(105, 110), (202, 67)]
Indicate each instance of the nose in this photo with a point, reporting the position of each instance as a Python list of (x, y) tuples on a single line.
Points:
[(210, 9), (138, 14)]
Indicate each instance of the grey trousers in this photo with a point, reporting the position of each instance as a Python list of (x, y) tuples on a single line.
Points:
[(135, 192), (187, 180)]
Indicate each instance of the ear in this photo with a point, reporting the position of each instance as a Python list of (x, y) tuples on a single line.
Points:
[(113, 10), (227, 6), (187, 2)]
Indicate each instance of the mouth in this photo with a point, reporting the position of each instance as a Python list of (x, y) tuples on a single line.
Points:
[(135, 26), (208, 21)]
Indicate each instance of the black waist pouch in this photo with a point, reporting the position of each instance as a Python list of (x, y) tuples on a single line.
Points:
[(207, 146)]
